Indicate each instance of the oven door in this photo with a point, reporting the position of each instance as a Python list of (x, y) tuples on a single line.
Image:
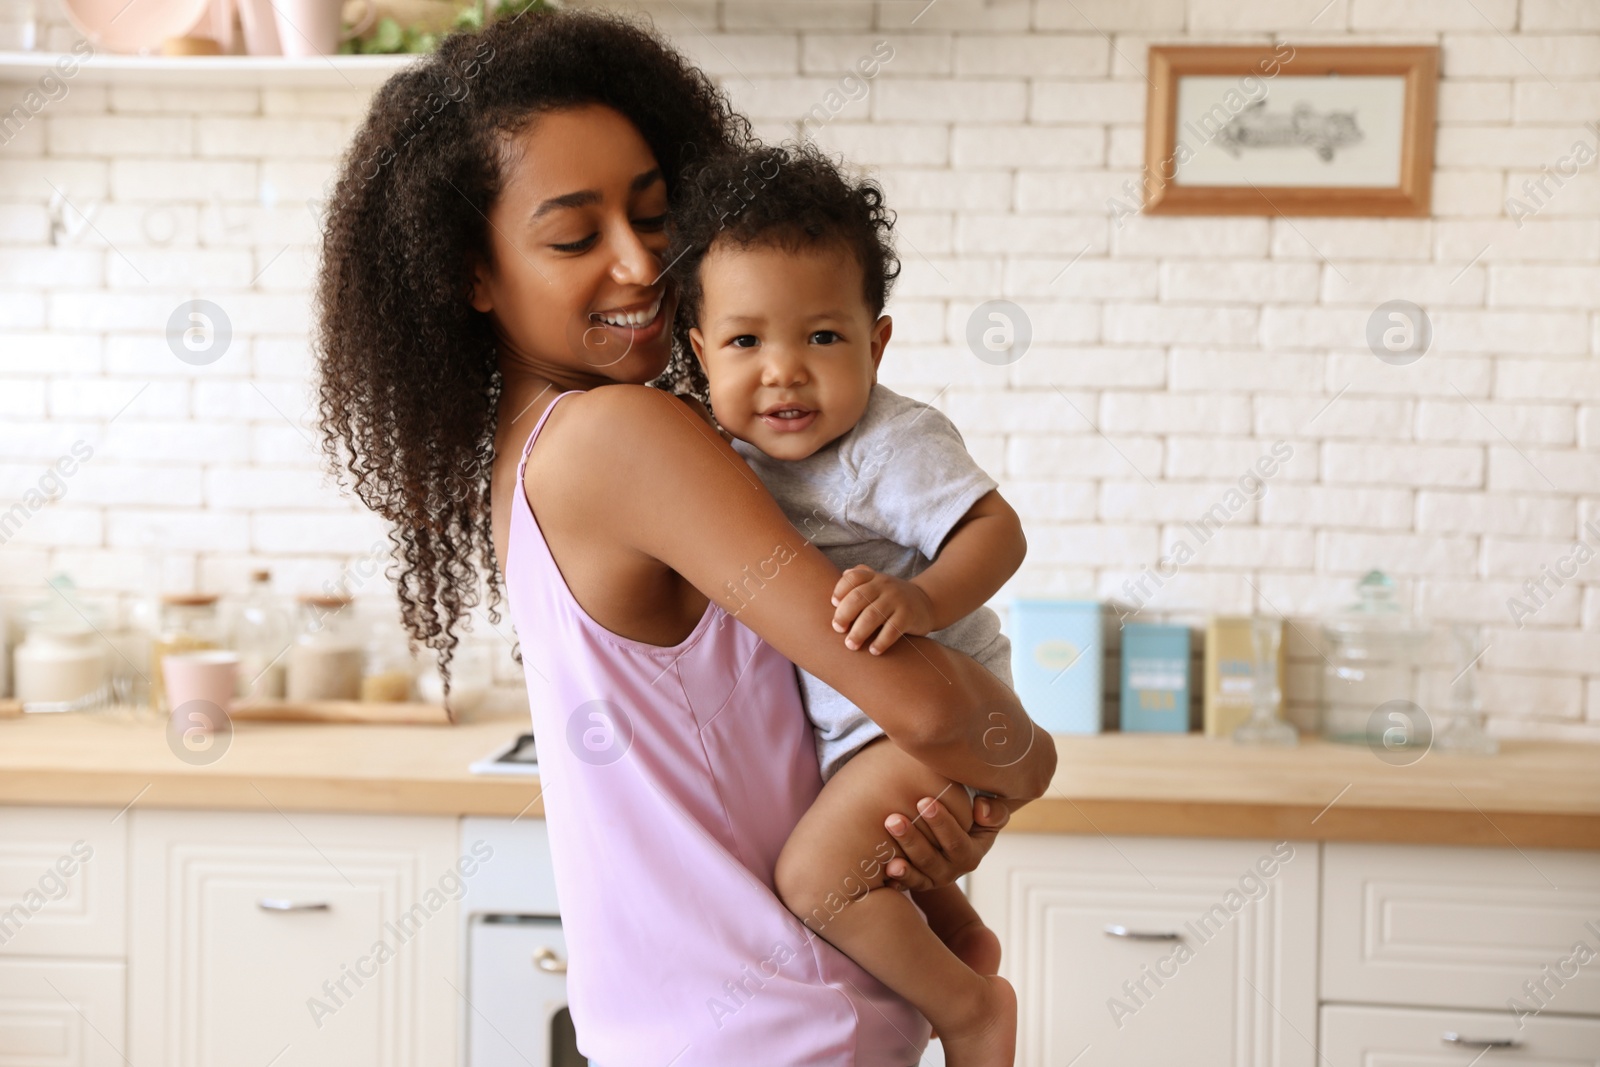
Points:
[(517, 994)]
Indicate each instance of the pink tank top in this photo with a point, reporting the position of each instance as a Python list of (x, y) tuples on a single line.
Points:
[(672, 777)]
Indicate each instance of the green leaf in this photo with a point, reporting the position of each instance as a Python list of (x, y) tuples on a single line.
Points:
[(387, 36)]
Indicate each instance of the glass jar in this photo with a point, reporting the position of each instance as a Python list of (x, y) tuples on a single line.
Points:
[(388, 673), (326, 659), (61, 667), (1457, 695), (59, 663), (1375, 655), (262, 632), (189, 623)]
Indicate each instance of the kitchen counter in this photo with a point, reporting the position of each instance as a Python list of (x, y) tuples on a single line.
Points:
[(119, 757), (1534, 794)]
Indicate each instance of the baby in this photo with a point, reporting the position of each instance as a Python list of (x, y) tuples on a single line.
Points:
[(784, 267)]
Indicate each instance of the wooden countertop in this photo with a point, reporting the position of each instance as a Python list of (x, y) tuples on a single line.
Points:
[(1533, 795), (116, 757)]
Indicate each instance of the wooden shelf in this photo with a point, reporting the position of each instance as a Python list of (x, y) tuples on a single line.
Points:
[(243, 72)]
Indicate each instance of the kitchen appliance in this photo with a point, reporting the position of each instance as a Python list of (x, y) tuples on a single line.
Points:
[(519, 994), (515, 1000)]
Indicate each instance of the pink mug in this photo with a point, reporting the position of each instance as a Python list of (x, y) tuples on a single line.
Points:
[(200, 686), (311, 27)]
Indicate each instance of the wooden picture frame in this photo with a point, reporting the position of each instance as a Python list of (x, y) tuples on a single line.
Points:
[(1290, 137)]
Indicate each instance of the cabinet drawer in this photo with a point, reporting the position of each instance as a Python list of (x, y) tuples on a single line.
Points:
[(1213, 968), (1414, 1037), (1461, 927), (324, 939), (64, 1013), (63, 879)]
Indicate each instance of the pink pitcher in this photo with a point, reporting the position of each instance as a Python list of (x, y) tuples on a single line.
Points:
[(311, 27)]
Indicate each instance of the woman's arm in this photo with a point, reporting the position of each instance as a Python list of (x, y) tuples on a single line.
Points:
[(663, 483)]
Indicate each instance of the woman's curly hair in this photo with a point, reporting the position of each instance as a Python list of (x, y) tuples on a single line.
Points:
[(791, 195), (409, 378)]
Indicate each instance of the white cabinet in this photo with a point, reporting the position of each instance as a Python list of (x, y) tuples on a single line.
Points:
[(1415, 1037), (321, 939), (61, 1013), (1461, 927), (63, 876), (1157, 951), (63, 937)]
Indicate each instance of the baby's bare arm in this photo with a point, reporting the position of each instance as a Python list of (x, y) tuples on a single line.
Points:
[(979, 555)]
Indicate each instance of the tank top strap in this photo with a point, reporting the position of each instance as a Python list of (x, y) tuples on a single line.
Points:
[(527, 447)]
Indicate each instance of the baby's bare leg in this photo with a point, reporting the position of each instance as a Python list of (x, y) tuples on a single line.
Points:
[(956, 922), (831, 874)]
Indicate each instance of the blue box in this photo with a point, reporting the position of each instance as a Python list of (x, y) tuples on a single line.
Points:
[(1058, 662), (1155, 678)]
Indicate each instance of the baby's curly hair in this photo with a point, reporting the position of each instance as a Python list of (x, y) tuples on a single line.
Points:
[(409, 377), (790, 195)]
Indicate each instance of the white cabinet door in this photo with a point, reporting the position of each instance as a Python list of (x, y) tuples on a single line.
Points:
[(62, 1013), (63, 874), (1461, 927), (1156, 951), (1415, 1037), (320, 939)]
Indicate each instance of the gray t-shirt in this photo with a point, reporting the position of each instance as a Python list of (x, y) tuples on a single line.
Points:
[(884, 494)]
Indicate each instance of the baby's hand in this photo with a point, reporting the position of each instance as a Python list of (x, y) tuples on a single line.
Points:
[(866, 601)]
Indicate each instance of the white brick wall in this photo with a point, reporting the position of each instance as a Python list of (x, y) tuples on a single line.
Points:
[(1169, 353)]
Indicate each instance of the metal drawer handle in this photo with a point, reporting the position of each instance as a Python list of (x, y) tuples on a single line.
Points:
[(275, 904), (547, 961), (1450, 1037), (1143, 935)]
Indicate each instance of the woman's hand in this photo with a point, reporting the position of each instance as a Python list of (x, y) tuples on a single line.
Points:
[(938, 849)]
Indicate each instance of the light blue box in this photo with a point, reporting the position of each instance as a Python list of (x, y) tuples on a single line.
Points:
[(1058, 662), (1155, 678)]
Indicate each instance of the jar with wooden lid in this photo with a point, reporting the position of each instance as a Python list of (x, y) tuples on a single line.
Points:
[(189, 622), (326, 659)]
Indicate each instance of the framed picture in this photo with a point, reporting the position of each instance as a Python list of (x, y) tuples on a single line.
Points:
[(1269, 130)]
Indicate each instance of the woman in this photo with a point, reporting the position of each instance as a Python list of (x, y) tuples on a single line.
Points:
[(492, 280)]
